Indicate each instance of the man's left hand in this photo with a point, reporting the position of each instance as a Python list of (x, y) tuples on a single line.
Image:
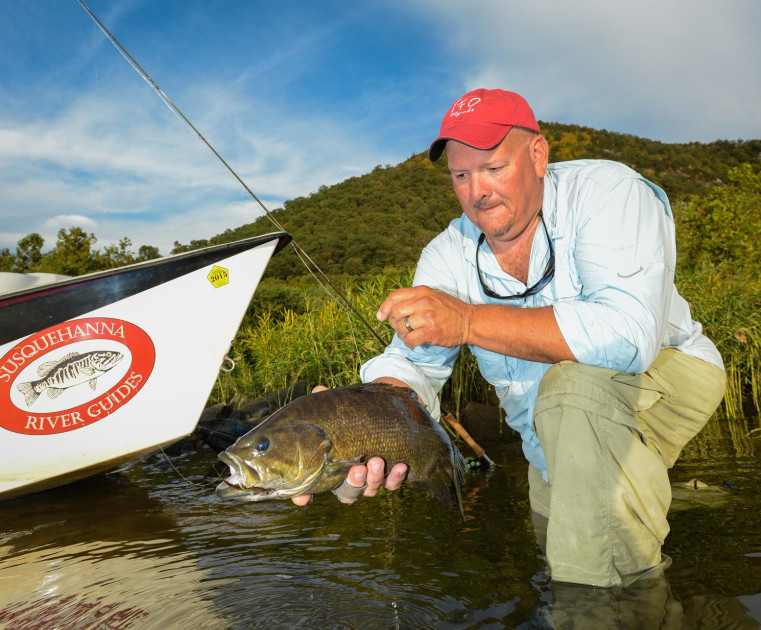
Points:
[(433, 317)]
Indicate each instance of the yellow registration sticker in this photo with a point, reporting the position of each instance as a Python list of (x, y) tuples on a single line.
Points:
[(218, 276)]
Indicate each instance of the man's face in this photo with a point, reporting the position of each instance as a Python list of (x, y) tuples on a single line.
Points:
[(500, 190)]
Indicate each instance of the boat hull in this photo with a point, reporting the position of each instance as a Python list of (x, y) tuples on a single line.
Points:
[(97, 370)]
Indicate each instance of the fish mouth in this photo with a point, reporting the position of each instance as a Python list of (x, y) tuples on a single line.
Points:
[(234, 487), (230, 488)]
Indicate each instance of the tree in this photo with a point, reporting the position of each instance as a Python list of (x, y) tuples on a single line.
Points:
[(722, 224), (72, 254), (29, 252), (7, 260), (116, 255), (147, 252), (194, 244)]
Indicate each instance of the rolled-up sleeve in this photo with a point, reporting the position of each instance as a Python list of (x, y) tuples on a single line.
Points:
[(427, 367), (625, 255)]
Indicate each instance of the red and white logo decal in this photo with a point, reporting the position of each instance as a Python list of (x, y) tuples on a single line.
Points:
[(464, 106), (73, 374)]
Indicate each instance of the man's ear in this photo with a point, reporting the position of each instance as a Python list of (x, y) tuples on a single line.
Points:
[(539, 151)]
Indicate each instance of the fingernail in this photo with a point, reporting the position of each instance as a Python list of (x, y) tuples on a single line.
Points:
[(379, 315), (376, 467), (359, 478)]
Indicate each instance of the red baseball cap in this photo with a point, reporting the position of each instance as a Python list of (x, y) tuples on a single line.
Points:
[(481, 119)]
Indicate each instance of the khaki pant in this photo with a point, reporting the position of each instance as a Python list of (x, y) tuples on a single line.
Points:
[(609, 438)]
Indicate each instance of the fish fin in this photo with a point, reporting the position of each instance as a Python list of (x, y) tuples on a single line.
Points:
[(458, 475), (27, 389), (54, 392), (46, 368), (439, 486), (459, 501), (347, 463), (445, 480), (87, 370), (458, 465), (338, 470), (93, 382)]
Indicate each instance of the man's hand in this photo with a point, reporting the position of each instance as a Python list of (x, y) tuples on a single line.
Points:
[(372, 473), (439, 319), (424, 315)]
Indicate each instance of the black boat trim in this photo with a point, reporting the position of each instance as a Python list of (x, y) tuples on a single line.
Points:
[(25, 312)]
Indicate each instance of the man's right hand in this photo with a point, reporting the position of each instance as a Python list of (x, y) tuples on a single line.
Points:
[(372, 473)]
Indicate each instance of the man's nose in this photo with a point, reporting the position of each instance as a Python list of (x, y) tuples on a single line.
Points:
[(479, 186)]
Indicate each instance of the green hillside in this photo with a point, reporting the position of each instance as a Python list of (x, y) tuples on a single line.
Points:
[(366, 224)]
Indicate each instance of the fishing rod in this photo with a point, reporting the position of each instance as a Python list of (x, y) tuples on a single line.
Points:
[(300, 252)]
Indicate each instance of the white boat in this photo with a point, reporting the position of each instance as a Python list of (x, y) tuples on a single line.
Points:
[(99, 369)]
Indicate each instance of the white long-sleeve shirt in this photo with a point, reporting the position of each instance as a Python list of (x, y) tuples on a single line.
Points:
[(612, 293)]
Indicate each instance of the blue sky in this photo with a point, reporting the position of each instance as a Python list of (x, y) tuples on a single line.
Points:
[(296, 95)]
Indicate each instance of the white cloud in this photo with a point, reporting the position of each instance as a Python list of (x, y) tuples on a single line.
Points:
[(681, 70), (69, 220), (129, 165)]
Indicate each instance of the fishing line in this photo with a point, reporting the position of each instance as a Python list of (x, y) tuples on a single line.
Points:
[(178, 113), (94, 59), (184, 478)]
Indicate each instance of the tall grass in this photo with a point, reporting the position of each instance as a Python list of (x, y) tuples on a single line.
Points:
[(320, 343), (728, 304)]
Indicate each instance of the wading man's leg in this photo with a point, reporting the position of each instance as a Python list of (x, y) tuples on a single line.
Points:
[(609, 438)]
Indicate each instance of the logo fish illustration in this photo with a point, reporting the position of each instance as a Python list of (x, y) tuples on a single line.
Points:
[(69, 371)]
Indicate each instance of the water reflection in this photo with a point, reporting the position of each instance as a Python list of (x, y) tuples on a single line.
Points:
[(101, 553), (644, 604), (146, 550)]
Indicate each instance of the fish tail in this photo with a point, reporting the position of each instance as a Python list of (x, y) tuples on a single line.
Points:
[(27, 389)]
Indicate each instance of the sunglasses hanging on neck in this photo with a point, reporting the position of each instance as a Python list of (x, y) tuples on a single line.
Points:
[(549, 271)]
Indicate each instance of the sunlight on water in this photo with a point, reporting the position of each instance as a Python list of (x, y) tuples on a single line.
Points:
[(144, 549)]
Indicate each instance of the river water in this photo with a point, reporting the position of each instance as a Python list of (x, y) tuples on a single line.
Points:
[(144, 549)]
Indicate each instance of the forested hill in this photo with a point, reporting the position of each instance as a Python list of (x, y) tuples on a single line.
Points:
[(382, 219)]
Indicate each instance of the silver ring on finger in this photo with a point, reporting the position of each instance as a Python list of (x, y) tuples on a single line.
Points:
[(407, 324)]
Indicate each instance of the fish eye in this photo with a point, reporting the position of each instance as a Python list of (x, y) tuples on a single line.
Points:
[(262, 445)]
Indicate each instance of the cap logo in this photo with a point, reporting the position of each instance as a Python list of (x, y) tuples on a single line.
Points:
[(459, 108)]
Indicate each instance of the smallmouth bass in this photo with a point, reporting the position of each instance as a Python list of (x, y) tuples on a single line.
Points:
[(309, 445)]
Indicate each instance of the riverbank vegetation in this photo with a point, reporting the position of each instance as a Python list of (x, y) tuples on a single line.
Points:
[(367, 232), (73, 254)]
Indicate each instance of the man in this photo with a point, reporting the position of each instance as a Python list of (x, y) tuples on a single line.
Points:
[(560, 280)]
